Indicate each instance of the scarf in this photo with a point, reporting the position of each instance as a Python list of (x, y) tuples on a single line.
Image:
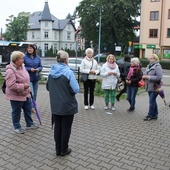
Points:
[(131, 72), (151, 64), (111, 66)]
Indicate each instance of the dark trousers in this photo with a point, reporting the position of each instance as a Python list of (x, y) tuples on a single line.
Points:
[(89, 84), (62, 131)]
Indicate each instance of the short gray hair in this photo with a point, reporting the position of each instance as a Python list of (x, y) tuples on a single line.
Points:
[(89, 49), (135, 60), (61, 56), (16, 55)]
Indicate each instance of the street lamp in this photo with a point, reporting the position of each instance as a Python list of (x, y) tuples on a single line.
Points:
[(100, 22)]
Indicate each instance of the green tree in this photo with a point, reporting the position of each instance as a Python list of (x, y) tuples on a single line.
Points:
[(118, 20), (17, 27)]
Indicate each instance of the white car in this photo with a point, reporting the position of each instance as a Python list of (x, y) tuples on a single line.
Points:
[(73, 63)]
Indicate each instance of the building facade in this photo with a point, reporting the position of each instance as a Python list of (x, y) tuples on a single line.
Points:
[(46, 31), (155, 28)]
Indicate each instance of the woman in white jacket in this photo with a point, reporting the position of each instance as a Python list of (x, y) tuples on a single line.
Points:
[(89, 66), (110, 73)]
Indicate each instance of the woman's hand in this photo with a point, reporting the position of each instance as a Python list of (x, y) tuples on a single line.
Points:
[(128, 81), (33, 69), (145, 77), (26, 86), (92, 72)]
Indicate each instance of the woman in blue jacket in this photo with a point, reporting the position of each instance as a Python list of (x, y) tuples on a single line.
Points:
[(33, 65), (62, 86)]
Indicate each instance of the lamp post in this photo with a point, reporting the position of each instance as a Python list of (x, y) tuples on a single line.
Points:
[(100, 21)]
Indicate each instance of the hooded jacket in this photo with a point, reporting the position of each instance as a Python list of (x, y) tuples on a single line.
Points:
[(16, 77), (62, 86), (155, 74), (34, 62)]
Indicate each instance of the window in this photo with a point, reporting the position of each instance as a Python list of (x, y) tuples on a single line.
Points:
[(70, 46), (155, 0), (55, 35), (46, 24), (153, 33), (45, 34), (169, 14), (33, 36), (154, 15), (65, 46), (68, 35), (168, 32), (55, 47), (45, 47)]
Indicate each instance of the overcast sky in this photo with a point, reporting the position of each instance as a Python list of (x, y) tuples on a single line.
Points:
[(58, 8)]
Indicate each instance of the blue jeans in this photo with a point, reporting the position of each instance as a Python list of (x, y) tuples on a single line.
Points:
[(34, 89), (17, 106), (153, 108), (131, 95)]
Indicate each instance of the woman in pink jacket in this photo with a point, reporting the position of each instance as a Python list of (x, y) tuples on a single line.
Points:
[(18, 92)]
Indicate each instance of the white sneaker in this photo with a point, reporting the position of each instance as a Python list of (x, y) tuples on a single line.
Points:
[(21, 131), (113, 108), (31, 127), (106, 107), (92, 107), (86, 107)]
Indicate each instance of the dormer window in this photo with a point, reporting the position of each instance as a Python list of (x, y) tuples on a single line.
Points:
[(46, 24)]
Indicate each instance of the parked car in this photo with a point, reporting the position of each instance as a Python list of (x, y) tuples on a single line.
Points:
[(103, 57), (73, 63)]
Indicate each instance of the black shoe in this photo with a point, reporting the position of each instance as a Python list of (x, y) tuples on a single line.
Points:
[(117, 98), (154, 118), (58, 153), (130, 110), (147, 118), (66, 153)]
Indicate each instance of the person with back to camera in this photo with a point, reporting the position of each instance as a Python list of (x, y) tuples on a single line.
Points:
[(62, 86), (18, 92), (152, 75), (89, 66), (33, 65), (124, 69), (134, 75), (110, 73)]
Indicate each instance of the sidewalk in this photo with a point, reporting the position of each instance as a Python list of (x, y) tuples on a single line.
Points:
[(116, 140)]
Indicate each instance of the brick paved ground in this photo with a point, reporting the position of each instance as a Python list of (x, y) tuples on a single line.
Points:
[(100, 141)]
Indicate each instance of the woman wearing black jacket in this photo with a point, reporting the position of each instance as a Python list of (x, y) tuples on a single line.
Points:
[(124, 68)]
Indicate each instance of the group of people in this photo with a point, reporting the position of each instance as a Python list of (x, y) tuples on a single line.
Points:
[(22, 76), (130, 73)]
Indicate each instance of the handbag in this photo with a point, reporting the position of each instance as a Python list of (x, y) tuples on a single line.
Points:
[(4, 87), (141, 83), (84, 77)]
